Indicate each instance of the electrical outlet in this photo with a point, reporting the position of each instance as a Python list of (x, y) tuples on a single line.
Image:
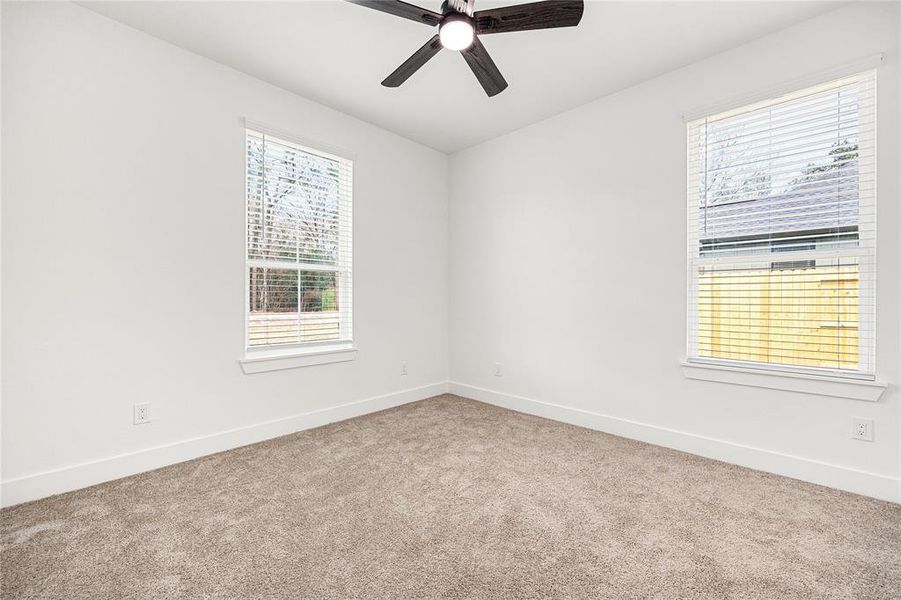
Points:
[(403, 367), (862, 429), (142, 413), (497, 370)]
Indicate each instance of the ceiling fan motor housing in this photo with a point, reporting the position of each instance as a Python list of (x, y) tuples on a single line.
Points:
[(456, 6)]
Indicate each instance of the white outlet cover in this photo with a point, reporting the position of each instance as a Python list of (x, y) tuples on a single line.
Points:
[(141, 413), (862, 429)]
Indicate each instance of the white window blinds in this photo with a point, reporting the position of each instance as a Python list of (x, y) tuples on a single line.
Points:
[(299, 244), (781, 231)]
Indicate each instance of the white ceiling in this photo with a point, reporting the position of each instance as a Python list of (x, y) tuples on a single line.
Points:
[(337, 53)]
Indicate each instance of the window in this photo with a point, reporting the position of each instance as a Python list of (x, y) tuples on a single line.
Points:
[(781, 232), (299, 288)]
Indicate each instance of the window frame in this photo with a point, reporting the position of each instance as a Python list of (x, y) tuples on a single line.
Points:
[(848, 384), (270, 357)]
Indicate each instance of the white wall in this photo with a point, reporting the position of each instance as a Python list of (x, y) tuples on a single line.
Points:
[(568, 267), (898, 113), (123, 264)]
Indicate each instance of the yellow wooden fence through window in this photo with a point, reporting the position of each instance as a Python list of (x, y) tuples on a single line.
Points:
[(804, 316)]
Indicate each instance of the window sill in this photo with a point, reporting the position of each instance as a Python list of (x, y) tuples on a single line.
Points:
[(276, 360), (819, 385)]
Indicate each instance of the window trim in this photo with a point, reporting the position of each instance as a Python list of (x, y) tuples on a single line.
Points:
[(866, 63), (852, 388), (288, 356), (262, 361)]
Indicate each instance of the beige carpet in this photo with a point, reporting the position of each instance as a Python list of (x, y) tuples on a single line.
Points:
[(450, 498)]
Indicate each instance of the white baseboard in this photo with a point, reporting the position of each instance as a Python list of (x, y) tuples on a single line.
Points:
[(48, 483), (874, 485), (73, 477)]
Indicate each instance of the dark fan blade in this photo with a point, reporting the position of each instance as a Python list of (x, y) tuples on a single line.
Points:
[(535, 15), (402, 9), (485, 70), (412, 64)]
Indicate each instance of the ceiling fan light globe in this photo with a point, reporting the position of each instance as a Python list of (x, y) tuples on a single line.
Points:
[(456, 34)]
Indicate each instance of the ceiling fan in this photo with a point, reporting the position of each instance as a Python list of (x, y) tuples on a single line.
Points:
[(459, 28)]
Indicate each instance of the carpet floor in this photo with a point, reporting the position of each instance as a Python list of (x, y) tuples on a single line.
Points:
[(451, 498)]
